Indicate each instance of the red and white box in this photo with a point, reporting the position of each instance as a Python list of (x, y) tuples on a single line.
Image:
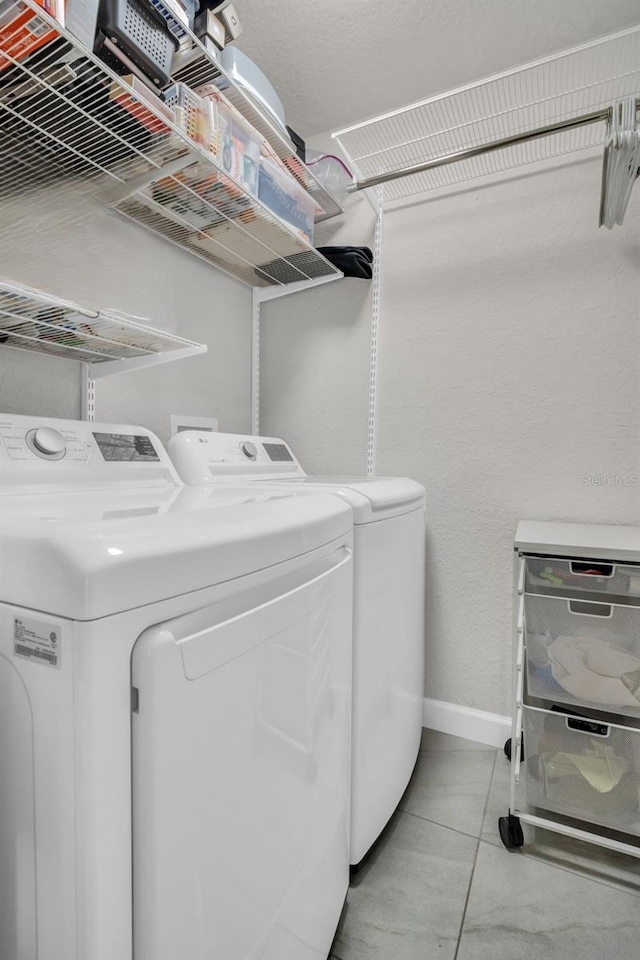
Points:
[(23, 30)]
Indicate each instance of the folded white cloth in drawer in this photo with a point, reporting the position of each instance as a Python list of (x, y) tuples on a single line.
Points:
[(599, 765), (592, 670)]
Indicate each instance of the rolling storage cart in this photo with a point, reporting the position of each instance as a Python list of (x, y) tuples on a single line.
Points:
[(575, 743)]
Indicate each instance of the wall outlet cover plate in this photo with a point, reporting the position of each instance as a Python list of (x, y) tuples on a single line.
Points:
[(181, 422)]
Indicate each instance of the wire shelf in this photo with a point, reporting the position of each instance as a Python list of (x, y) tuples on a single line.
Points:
[(576, 82), (38, 321), (67, 119)]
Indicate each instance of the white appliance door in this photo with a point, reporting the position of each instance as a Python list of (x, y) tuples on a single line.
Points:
[(240, 740)]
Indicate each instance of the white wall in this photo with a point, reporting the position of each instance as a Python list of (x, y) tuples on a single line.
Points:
[(75, 249), (315, 361), (508, 370)]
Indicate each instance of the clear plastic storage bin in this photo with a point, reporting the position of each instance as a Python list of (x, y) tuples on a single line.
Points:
[(331, 172), (197, 116), (200, 199), (239, 145), (583, 652), (545, 574), (583, 768), (288, 200)]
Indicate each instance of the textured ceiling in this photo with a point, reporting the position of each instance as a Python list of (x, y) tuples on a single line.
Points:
[(335, 62)]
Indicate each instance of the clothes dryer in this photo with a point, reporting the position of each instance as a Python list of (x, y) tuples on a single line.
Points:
[(174, 706)]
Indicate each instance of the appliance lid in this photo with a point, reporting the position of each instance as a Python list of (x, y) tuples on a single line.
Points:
[(94, 521), (371, 498), (88, 555), (202, 457)]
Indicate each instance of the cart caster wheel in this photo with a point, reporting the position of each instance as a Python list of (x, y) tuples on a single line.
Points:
[(507, 749), (510, 831)]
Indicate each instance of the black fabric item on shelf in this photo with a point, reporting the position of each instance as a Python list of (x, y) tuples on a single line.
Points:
[(353, 261)]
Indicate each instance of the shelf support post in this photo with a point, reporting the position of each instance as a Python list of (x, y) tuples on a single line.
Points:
[(255, 362), (376, 310), (88, 394)]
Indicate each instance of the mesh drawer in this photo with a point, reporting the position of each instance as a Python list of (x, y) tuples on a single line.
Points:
[(583, 769), (582, 576), (583, 652)]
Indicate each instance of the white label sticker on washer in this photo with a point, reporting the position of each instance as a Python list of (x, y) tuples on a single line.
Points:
[(37, 640)]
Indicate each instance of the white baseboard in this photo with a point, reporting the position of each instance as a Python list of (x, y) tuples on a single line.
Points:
[(489, 728)]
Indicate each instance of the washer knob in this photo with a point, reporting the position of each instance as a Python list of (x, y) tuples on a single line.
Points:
[(249, 449), (48, 442)]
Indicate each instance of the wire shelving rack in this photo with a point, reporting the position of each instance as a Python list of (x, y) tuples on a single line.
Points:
[(67, 120), (107, 341), (198, 68)]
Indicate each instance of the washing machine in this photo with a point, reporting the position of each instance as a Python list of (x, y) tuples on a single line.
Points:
[(175, 674), (389, 567)]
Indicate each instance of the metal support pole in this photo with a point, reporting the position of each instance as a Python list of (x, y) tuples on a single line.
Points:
[(255, 362), (599, 116), (373, 362), (88, 395)]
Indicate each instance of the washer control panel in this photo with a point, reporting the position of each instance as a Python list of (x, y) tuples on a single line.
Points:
[(26, 439), (32, 447), (47, 442), (200, 456)]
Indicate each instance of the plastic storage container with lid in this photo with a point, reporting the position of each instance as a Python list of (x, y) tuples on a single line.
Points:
[(248, 76)]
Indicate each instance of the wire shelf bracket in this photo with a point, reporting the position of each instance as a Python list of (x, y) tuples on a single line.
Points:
[(273, 293)]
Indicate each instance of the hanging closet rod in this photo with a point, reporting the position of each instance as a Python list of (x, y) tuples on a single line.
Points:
[(599, 116)]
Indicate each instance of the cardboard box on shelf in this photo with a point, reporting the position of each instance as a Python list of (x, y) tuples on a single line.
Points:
[(231, 21), (135, 103), (208, 25), (23, 31), (81, 19)]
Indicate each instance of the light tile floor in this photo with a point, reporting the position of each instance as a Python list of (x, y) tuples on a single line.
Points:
[(440, 884)]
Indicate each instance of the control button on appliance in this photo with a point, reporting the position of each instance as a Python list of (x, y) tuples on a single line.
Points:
[(47, 443), (249, 449), (75, 451)]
